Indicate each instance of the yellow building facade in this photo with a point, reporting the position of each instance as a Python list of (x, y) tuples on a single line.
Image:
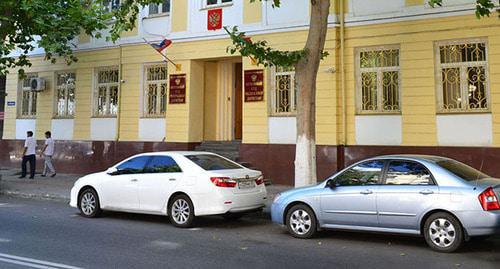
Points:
[(400, 77)]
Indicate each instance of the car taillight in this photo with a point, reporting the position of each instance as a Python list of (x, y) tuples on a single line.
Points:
[(489, 200), (224, 182), (259, 180)]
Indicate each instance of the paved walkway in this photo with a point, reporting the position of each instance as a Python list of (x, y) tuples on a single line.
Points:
[(59, 187)]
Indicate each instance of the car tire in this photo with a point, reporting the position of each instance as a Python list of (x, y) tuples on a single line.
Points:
[(443, 232), (301, 221), (88, 203), (181, 211), (233, 216)]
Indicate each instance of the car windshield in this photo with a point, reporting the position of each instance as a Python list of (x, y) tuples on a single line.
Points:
[(211, 162), (462, 170)]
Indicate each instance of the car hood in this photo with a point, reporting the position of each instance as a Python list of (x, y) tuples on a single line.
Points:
[(301, 190)]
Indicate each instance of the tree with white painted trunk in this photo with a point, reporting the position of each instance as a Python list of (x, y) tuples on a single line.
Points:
[(306, 63)]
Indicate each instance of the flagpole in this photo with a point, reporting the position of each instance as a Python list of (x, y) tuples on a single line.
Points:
[(164, 56)]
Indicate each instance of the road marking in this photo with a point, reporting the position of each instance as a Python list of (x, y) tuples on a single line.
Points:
[(4, 240), (194, 229), (34, 263), (165, 244)]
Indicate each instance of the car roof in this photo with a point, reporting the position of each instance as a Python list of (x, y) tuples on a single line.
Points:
[(175, 152), (414, 157)]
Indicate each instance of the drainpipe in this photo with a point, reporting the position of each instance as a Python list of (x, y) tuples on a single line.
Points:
[(341, 162), (120, 80)]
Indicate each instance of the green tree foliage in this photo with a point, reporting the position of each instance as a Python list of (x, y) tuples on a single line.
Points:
[(483, 7), (54, 24)]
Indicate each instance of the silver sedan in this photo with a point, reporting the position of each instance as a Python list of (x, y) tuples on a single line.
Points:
[(441, 199)]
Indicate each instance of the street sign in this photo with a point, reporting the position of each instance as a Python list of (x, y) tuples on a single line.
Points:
[(11, 103)]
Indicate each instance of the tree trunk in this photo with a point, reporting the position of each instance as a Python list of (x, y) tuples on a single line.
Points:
[(306, 71)]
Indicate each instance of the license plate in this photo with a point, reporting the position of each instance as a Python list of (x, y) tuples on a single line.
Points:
[(245, 184)]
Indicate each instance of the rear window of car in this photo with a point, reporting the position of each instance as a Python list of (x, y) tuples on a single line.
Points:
[(461, 170), (212, 162)]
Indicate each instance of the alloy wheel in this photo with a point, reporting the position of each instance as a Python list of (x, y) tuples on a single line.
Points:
[(180, 211), (442, 232), (88, 203), (300, 222)]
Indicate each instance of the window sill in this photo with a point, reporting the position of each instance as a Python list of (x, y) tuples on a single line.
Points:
[(26, 117), (277, 115), (398, 113), (159, 15), (463, 112), (205, 7), (63, 117), (145, 117), (104, 117)]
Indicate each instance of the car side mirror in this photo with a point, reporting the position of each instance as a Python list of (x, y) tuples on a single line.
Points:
[(112, 171), (331, 184)]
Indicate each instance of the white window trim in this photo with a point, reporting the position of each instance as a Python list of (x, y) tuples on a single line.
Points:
[(462, 66), (379, 70), (144, 95), (273, 91), (21, 90), (219, 4), (67, 116), (159, 14), (108, 95)]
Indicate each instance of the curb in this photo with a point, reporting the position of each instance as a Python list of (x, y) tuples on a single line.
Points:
[(41, 196)]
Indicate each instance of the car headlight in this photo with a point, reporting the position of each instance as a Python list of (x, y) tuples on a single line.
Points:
[(277, 197)]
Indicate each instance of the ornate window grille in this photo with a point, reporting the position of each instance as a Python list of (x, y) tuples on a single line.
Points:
[(462, 76), (106, 92), (155, 90), (28, 97), (284, 94), (65, 94), (378, 80)]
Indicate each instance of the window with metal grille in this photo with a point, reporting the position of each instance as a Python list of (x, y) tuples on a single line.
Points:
[(210, 3), (110, 5), (284, 93), (28, 97), (65, 94), (155, 90), (161, 8), (462, 76), (378, 80), (106, 92)]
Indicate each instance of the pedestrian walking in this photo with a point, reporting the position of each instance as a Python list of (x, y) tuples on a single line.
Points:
[(29, 155), (48, 152)]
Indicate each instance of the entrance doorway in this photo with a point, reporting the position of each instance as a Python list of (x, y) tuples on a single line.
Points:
[(223, 100), (238, 101), (2, 103)]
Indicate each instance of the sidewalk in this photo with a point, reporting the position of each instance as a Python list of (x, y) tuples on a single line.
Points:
[(58, 188)]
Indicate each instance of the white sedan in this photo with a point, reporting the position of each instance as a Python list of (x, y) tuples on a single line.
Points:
[(181, 185)]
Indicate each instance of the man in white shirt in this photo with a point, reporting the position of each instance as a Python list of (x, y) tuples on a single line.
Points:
[(29, 155), (48, 152)]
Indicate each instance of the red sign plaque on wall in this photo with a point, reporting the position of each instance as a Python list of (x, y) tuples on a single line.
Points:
[(214, 19), (177, 86), (254, 85)]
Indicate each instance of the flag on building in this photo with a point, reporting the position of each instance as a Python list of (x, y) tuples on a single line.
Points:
[(162, 45), (214, 19)]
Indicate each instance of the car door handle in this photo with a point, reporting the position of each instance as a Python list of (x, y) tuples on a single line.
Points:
[(172, 179), (366, 192), (425, 192), (134, 180)]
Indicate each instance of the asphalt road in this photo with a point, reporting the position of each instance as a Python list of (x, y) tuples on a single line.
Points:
[(45, 234)]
